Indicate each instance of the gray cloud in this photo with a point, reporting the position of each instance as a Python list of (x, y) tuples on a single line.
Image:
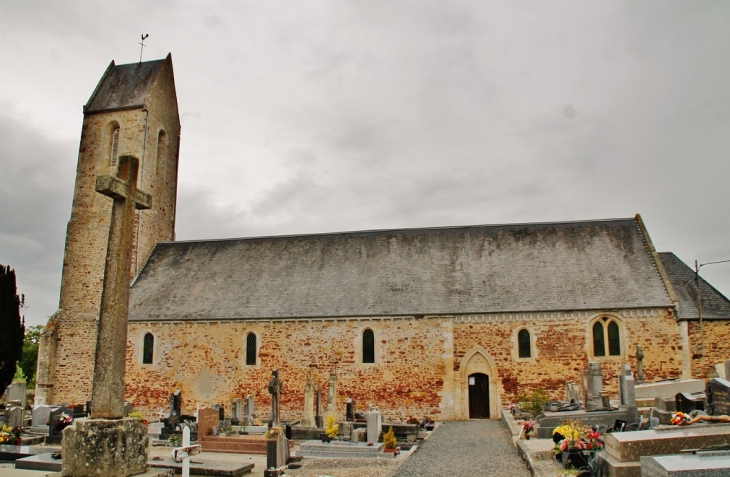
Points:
[(337, 116)]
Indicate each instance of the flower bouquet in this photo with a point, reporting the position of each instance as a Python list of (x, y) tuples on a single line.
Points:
[(679, 419), (528, 427)]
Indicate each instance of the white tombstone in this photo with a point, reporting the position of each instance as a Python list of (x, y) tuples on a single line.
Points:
[(237, 410), (308, 418), (40, 415), (375, 423), (16, 392)]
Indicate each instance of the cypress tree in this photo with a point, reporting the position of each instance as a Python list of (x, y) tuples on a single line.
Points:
[(12, 327)]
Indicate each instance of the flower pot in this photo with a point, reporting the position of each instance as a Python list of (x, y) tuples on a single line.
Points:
[(324, 437), (390, 451), (574, 458)]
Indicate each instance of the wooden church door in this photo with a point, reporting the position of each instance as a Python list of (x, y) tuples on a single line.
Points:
[(478, 396)]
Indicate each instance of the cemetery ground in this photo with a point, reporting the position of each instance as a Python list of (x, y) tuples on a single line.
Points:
[(457, 448)]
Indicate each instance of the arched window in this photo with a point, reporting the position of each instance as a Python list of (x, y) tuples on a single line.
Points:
[(161, 154), (251, 349), (110, 144), (148, 348), (614, 339), (368, 346), (523, 343), (606, 330), (114, 147)]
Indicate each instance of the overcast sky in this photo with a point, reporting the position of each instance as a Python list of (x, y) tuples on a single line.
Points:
[(321, 116)]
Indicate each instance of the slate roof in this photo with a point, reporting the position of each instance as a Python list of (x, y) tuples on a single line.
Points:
[(454, 270), (124, 86), (715, 306)]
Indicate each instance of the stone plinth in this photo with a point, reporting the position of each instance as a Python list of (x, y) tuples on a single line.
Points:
[(341, 450), (589, 419), (375, 422), (277, 450), (630, 446), (112, 448), (623, 450), (702, 464), (202, 467), (669, 388)]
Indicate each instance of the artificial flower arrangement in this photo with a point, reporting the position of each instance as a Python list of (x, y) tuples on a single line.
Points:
[(10, 435), (333, 429), (572, 433), (5, 434), (574, 436), (63, 418), (593, 441), (679, 418), (528, 426)]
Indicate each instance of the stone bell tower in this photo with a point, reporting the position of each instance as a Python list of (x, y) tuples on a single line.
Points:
[(132, 111)]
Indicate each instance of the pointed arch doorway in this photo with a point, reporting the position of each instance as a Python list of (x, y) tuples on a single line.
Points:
[(478, 396), (481, 399)]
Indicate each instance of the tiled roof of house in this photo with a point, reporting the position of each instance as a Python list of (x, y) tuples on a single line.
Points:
[(715, 306), (604, 264)]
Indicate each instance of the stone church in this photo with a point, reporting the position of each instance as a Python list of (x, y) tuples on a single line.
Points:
[(447, 322)]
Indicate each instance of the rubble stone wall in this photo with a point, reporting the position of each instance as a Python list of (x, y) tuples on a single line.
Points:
[(716, 336), (69, 371), (417, 370)]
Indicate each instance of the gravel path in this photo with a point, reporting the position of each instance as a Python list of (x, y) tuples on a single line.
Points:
[(466, 449)]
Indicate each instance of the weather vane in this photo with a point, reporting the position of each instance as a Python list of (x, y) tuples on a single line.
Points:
[(144, 37)]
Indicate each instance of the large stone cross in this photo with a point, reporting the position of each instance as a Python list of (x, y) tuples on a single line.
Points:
[(107, 394)]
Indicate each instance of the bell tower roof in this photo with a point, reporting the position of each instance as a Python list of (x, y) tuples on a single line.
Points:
[(125, 86)]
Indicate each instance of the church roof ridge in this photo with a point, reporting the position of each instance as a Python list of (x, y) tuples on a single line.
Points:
[(405, 229)]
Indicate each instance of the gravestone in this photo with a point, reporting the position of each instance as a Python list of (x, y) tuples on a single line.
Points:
[(687, 402), (237, 411), (595, 386), (57, 422), (41, 414), (208, 421), (332, 397), (625, 371), (15, 416), (350, 409), (277, 449), (318, 408), (16, 392), (701, 464), (175, 407), (572, 392), (639, 365), (375, 422), (249, 409), (308, 417), (727, 369), (109, 444), (276, 386), (717, 397), (78, 411), (221, 411), (632, 411)]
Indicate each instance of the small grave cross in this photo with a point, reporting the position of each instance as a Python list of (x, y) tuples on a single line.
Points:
[(107, 392)]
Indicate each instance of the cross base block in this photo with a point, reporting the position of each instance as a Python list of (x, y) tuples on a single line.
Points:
[(108, 447)]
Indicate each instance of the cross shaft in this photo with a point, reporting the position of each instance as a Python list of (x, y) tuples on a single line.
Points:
[(107, 393)]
